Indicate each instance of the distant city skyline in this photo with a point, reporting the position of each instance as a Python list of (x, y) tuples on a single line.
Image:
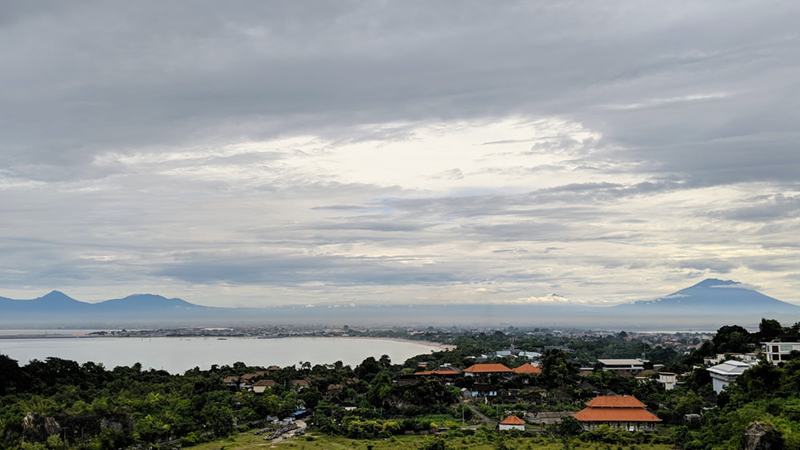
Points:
[(256, 154)]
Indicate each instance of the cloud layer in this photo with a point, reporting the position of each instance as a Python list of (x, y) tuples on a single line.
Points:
[(317, 153)]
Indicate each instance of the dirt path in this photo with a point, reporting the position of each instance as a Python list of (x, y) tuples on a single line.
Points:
[(489, 422)]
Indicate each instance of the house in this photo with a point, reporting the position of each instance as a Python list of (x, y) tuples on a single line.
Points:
[(622, 412), (621, 366), (261, 385), (483, 390), (487, 369), (299, 385), (726, 373), (527, 369), (512, 423), (779, 351), (232, 381), (448, 372), (668, 379), (248, 378)]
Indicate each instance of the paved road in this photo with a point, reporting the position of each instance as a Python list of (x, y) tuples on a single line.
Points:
[(489, 422)]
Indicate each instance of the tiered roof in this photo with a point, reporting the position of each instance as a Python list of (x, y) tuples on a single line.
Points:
[(616, 409), (487, 368)]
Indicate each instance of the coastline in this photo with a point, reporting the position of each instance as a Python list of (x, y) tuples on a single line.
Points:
[(440, 346)]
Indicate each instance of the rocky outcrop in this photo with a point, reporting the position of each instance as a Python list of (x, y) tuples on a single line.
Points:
[(761, 436), (37, 428)]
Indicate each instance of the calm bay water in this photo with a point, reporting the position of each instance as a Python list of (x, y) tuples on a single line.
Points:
[(177, 355)]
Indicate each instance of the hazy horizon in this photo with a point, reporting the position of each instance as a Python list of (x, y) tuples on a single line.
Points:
[(260, 154)]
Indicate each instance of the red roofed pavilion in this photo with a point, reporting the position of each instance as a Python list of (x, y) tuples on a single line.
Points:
[(486, 369), (623, 412)]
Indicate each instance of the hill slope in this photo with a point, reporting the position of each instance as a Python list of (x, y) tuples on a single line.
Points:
[(713, 296)]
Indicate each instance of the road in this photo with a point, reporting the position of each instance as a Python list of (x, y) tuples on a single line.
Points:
[(489, 422)]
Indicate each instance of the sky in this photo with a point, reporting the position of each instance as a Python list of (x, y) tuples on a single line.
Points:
[(253, 153)]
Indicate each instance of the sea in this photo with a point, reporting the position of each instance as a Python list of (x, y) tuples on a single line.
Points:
[(177, 355)]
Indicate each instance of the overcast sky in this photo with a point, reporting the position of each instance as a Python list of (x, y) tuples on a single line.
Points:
[(316, 152)]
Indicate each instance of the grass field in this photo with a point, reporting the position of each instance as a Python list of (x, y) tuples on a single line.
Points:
[(246, 441)]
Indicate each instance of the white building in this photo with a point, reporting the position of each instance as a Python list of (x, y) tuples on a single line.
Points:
[(779, 351), (634, 366), (726, 373), (512, 423), (668, 379)]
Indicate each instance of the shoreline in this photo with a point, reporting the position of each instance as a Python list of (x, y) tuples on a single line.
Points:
[(437, 345), (440, 346)]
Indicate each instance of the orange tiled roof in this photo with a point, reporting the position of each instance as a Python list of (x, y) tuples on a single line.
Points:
[(616, 415), (623, 401), (512, 420), (527, 368), (487, 368)]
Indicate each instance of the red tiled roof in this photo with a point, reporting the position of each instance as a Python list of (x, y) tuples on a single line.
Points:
[(623, 401), (512, 420), (487, 368), (267, 383), (616, 415), (527, 368)]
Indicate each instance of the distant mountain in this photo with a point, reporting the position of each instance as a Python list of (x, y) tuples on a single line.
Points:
[(713, 296), (54, 302), (59, 303), (144, 302), (704, 306)]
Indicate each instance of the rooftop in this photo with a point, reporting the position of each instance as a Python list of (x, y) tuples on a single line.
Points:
[(731, 367), (621, 362), (487, 368), (622, 401), (616, 415), (512, 420), (527, 368)]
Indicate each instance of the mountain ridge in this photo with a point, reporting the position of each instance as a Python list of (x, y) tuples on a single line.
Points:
[(705, 305)]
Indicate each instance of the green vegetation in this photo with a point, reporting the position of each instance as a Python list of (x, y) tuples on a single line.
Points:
[(57, 404)]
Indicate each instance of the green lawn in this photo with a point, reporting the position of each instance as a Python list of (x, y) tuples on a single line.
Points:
[(247, 441)]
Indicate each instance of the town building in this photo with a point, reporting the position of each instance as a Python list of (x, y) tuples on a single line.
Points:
[(262, 385), (483, 390), (630, 366), (779, 351), (512, 423), (668, 379), (527, 369), (726, 373), (622, 412)]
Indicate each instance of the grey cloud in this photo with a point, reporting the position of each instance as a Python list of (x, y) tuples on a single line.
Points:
[(250, 71), (283, 269), (764, 208), (714, 265), (683, 97)]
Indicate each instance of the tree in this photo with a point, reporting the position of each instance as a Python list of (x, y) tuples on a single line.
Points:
[(731, 339), (769, 329), (557, 369), (569, 426)]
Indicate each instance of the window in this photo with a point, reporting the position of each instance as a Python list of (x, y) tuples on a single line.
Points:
[(774, 349), (786, 348)]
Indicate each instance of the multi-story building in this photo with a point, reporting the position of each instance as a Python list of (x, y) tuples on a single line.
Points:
[(779, 351)]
